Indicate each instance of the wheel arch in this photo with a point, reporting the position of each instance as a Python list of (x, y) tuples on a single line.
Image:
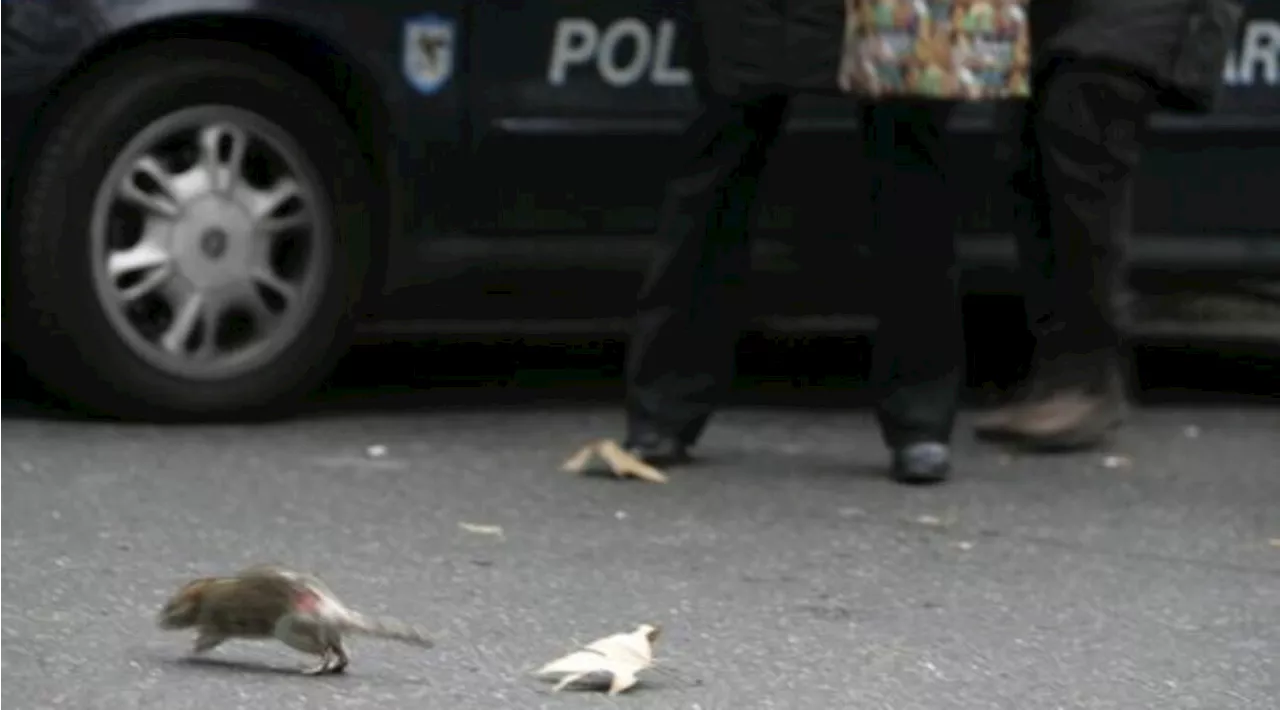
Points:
[(350, 87)]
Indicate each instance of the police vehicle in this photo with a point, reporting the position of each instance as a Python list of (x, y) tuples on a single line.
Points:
[(205, 200)]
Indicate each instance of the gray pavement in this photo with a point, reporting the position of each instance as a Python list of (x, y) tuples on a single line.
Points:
[(784, 570)]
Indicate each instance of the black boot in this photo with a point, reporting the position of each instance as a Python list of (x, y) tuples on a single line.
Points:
[(657, 450)]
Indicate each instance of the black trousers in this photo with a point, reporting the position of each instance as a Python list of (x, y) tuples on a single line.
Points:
[(1082, 135), (680, 360)]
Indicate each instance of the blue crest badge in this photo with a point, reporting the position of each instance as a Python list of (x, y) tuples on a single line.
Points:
[(428, 46)]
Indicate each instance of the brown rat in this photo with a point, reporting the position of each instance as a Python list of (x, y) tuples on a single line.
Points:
[(270, 601)]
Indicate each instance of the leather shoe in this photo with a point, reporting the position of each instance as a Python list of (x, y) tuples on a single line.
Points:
[(658, 451), (995, 425), (1068, 420), (1074, 401), (924, 462)]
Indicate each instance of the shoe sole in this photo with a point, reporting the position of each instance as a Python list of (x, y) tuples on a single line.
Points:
[(920, 479), (1092, 438), (683, 458)]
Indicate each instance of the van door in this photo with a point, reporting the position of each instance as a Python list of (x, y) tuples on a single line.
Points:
[(574, 107)]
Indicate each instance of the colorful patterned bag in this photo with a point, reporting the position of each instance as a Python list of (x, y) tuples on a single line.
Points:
[(962, 50)]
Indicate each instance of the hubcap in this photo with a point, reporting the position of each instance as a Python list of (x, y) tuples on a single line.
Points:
[(213, 243), (208, 241)]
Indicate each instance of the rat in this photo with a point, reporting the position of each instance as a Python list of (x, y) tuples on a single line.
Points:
[(271, 601)]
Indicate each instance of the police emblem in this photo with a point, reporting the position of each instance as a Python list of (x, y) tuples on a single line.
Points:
[(428, 52)]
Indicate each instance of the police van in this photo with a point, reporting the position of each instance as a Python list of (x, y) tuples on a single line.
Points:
[(206, 200)]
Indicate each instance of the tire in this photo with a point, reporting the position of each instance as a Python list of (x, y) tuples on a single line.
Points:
[(68, 336)]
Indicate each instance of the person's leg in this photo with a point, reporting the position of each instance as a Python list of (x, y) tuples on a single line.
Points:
[(680, 358), (1035, 261), (1087, 130), (918, 361)]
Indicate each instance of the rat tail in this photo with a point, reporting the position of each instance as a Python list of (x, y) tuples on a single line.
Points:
[(385, 627)]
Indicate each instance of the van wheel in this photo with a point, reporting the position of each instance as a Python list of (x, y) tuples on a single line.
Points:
[(191, 237)]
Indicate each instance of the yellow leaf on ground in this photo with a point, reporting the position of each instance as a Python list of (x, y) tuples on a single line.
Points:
[(621, 463)]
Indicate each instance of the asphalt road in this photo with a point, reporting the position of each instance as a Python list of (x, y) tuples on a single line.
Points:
[(784, 570)]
